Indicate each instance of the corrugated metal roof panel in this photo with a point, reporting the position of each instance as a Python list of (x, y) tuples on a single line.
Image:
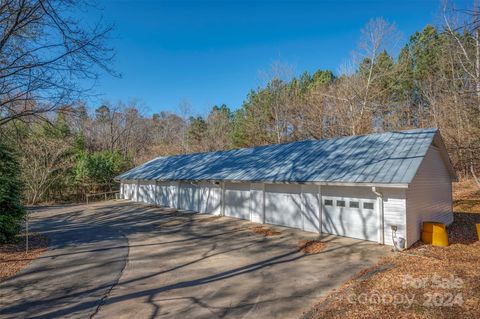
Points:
[(386, 158)]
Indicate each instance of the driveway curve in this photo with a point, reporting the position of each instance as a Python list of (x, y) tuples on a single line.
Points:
[(71, 279), (128, 260)]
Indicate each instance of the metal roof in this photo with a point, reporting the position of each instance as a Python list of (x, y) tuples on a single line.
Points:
[(384, 158)]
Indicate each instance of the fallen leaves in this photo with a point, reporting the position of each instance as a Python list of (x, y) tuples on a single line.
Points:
[(415, 283), (463, 229), (13, 257), (311, 246), (466, 190), (467, 205), (265, 231)]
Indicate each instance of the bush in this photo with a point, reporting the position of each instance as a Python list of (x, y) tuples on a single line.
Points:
[(100, 167), (12, 211)]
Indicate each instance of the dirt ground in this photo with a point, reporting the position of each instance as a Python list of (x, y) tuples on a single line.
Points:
[(421, 282), (13, 257), (466, 189)]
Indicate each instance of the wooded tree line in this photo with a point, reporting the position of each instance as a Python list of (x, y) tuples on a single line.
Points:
[(434, 81)]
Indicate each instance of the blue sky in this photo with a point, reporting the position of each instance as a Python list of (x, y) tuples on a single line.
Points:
[(212, 52)]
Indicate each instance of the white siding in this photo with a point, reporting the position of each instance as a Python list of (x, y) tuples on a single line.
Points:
[(256, 202), (393, 213), (210, 198), (429, 196), (283, 205)]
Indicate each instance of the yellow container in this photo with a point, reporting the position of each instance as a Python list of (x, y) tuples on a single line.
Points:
[(427, 237), (433, 227), (435, 234), (478, 231)]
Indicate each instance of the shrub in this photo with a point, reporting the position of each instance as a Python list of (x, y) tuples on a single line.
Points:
[(100, 167), (12, 211)]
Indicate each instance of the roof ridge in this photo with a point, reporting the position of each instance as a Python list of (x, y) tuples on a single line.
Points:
[(357, 158), (300, 141)]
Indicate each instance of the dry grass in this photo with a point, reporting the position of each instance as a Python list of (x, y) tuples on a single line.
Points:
[(466, 205), (466, 195), (265, 231), (440, 282), (466, 190), (311, 246), (13, 257)]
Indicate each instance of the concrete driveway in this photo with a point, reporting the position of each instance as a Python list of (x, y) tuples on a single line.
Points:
[(127, 260)]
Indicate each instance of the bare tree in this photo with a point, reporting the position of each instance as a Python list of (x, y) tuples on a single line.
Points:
[(45, 163), (44, 51), (185, 109), (275, 80), (463, 28), (377, 36)]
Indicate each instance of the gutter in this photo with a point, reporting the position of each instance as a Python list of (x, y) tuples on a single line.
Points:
[(377, 185)]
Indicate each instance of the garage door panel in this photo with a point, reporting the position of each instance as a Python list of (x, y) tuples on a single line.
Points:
[(237, 200), (344, 213), (146, 193), (283, 205), (129, 191), (188, 197), (210, 198), (347, 216), (162, 194)]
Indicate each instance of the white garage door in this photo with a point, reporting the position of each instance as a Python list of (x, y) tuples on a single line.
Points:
[(237, 200), (210, 198), (129, 191), (162, 194), (350, 216), (146, 193), (283, 205), (188, 196)]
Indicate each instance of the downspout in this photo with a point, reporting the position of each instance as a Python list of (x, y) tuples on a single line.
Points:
[(381, 212)]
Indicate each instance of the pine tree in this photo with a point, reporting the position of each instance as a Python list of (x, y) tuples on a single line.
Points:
[(11, 210)]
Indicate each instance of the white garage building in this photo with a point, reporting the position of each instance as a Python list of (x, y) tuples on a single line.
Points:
[(358, 186)]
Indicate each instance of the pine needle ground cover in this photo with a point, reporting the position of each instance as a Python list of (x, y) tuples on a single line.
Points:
[(421, 282), (13, 257), (265, 231)]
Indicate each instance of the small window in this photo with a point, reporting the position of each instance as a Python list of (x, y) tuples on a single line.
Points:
[(340, 203), (354, 204), (367, 205), (328, 202)]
